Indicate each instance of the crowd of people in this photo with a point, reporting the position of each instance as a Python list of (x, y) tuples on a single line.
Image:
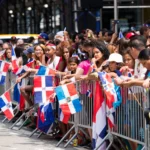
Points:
[(124, 56)]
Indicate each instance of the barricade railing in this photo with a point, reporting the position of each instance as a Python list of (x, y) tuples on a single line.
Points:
[(130, 122), (129, 117)]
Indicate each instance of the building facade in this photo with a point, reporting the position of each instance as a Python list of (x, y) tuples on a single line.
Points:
[(35, 16)]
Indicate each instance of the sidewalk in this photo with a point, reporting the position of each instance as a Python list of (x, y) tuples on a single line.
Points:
[(19, 140)]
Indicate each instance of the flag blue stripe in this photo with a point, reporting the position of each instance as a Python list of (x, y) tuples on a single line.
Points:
[(41, 70), (60, 93), (48, 81), (2, 81), (93, 143), (13, 52), (101, 77), (16, 94), (2, 104), (77, 105), (37, 97), (103, 132)]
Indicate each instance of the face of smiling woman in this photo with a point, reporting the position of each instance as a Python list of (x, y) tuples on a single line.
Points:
[(38, 51)]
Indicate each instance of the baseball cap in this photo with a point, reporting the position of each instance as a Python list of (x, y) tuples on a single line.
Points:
[(60, 33), (115, 57), (29, 50), (43, 36), (129, 35)]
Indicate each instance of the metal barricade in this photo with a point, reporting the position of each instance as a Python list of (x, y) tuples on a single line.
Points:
[(82, 119), (129, 117), (130, 122)]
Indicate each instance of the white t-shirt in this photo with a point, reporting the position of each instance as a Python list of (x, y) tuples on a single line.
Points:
[(54, 64), (139, 70)]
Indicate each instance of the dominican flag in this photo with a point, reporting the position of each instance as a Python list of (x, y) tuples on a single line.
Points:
[(44, 110), (17, 96), (111, 97), (18, 71), (6, 105), (120, 35), (89, 93), (14, 59), (45, 118), (99, 119), (68, 99), (64, 118), (43, 88), (92, 68), (46, 71), (4, 66)]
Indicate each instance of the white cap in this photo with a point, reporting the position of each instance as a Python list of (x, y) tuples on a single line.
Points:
[(60, 33), (115, 57)]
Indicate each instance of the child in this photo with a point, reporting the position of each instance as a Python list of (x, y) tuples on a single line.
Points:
[(128, 69), (129, 62), (73, 63), (115, 60)]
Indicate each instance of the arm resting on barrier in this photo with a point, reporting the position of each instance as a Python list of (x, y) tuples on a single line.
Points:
[(23, 76), (133, 82), (146, 83)]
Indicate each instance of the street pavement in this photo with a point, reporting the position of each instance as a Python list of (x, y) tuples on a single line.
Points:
[(14, 139)]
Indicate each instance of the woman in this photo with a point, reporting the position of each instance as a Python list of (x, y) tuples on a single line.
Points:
[(54, 62), (144, 58), (101, 54), (40, 59)]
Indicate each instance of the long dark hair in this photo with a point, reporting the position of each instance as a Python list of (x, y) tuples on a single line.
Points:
[(144, 54), (103, 49)]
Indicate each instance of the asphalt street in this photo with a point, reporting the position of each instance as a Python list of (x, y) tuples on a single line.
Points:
[(14, 139)]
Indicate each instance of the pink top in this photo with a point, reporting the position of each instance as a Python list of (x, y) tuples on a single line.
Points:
[(85, 65)]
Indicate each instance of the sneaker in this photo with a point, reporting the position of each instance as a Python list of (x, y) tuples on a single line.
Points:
[(20, 122)]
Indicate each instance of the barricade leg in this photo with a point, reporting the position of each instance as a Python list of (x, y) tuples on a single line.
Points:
[(40, 135), (4, 120), (70, 140), (108, 136), (76, 132), (23, 123), (65, 136), (34, 131), (17, 120), (143, 148), (84, 133)]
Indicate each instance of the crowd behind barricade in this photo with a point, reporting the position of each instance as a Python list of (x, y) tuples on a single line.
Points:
[(125, 57)]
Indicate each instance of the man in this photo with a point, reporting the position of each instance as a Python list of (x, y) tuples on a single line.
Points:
[(145, 31), (137, 44), (5, 46), (43, 38), (13, 41)]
